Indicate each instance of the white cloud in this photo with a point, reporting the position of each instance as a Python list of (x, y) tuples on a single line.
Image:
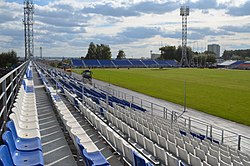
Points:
[(65, 28)]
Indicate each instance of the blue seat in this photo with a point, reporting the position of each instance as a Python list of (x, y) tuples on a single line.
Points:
[(183, 132), (140, 161), (94, 158), (24, 144), (193, 134), (5, 158), (22, 157)]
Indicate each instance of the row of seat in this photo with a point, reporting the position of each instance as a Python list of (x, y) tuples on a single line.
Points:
[(22, 138), (85, 146), (174, 144), (130, 152)]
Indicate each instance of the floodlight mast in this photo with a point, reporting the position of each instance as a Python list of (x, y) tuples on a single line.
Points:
[(184, 12), (28, 28)]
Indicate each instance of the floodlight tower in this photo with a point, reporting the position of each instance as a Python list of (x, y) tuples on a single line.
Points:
[(28, 28), (184, 12)]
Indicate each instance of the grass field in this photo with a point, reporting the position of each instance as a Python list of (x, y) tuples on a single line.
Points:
[(223, 93)]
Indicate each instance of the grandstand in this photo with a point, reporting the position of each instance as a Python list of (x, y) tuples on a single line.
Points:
[(232, 64), (124, 63), (58, 120)]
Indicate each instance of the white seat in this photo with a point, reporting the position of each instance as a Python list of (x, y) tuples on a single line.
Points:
[(189, 148), (24, 125), (194, 161), (25, 113), (222, 163), (160, 154), (213, 161), (111, 136), (149, 146), (24, 133), (162, 142), (246, 163), (235, 158), (154, 137), (31, 118), (225, 159), (183, 155), (236, 163), (204, 148), (201, 154), (140, 128), (180, 142), (119, 144), (172, 161), (204, 163), (194, 143), (171, 147), (89, 146), (128, 153), (146, 132), (171, 138), (140, 139), (132, 134)]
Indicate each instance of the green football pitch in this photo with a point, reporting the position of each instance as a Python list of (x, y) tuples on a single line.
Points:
[(223, 93)]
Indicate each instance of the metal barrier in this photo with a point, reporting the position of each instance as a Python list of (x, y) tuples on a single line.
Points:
[(223, 136), (8, 88)]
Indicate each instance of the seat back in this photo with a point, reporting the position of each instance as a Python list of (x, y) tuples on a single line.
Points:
[(138, 160), (5, 158), (8, 140), (10, 126)]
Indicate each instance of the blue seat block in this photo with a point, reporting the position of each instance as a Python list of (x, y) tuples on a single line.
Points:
[(5, 158), (22, 157), (94, 158), (23, 144)]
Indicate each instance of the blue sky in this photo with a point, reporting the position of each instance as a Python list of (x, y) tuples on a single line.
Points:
[(66, 27)]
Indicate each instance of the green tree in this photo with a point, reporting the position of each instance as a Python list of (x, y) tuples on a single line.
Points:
[(91, 51), (99, 51), (8, 59), (168, 52), (121, 55)]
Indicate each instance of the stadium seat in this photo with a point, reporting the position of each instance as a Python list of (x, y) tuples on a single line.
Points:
[(160, 154), (94, 158), (194, 161), (183, 155), (23, 144), (213, 161), (173, 161), (26, 131), (34, 157), (5, 158)]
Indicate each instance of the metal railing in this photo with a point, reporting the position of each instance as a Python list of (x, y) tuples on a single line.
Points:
[(224, 136), (9, 85)]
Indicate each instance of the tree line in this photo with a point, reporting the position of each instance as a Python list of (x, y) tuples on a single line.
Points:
[(8, 59), (102, 51), (236, 54), (195, 58)]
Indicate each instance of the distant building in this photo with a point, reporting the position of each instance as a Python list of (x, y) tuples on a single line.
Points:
[(214, 48), (155, 56)]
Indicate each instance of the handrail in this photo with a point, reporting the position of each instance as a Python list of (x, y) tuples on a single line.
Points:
[(9, 84)]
